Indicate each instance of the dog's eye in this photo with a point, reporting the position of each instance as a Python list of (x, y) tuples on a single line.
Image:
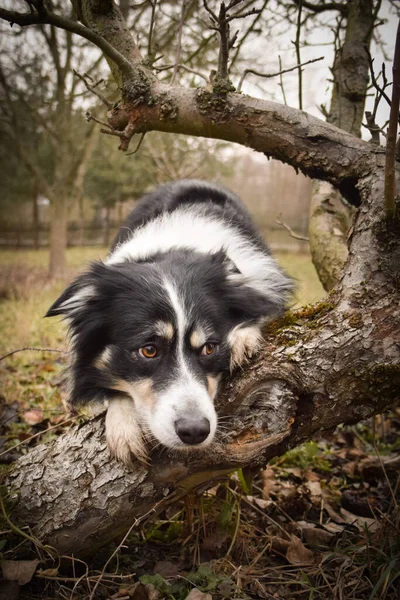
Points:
[(148, 351), (208, 349)]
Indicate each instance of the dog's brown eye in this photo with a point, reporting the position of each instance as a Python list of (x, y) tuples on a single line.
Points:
[(148, 351), (207, 349)]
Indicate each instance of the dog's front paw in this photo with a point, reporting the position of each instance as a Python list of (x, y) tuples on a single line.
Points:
[(123, 433)]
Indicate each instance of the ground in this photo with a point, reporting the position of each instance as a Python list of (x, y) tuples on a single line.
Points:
[(322, 521)]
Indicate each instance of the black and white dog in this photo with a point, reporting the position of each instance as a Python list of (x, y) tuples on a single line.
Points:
[(179, 301)]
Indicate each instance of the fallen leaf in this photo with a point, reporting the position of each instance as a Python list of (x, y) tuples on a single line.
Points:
[(333, 527), (316, 537), (20, 571), (333, 514), (310, 475), (166, 568), (47, 572), (361, 523), (196, 594), (314, 487), (298, 554), (152, 592), (295, 471), (33, 416), (279, 545)]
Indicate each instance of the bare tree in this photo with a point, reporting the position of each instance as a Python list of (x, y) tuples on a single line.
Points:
[(39, 96), (336, 362)]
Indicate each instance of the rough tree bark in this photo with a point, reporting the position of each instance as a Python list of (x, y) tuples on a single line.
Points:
[(330, 218), (333, 363)]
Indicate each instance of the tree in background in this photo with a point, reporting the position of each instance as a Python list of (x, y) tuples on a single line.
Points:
[(39, 97)]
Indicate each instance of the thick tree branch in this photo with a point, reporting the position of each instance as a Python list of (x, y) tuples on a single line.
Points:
[(318, 149)]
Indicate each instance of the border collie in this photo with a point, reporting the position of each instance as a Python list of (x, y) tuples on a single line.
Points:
[(180, 300)]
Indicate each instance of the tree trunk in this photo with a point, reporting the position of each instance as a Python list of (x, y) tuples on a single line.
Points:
[(330, 217), (35, 216), (106, 239), (337, 362), (58, 236)]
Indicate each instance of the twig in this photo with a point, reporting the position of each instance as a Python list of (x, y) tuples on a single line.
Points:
[(179, 48), (138, 146), (390, 175), (281, 80), (184, 67), (117, 549), (220, 24), (281, 72), (297, 46), (150, 39), (374, 80), (372, 127), (294, 235), (92, 89), (89, 117), (32, 350)]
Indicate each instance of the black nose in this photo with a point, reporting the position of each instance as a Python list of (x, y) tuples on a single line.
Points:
[(192, 431)]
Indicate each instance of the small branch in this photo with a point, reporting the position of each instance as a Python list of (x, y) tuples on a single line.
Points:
[(220, 24), (184, 68), (281, 80), (372, 127), (223, 29), (374, 80), (30, 349), (89, 117), (92, 88), (138, 146), (390, 176), (179, 48), (281, 72), (292, 234), (297, 46), (151, 29)]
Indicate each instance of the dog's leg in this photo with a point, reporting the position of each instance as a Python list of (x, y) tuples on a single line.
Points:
[(123, 432)]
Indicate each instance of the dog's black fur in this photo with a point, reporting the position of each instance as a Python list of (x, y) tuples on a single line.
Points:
[(115, 308)]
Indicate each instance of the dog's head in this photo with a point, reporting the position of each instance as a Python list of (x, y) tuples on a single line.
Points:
[(162, 332)]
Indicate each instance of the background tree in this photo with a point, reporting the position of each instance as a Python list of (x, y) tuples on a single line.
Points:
[(39, 101)]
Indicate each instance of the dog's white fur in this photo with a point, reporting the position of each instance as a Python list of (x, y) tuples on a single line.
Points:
[(190, 227)]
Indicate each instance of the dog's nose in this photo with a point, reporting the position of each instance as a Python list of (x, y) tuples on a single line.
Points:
[(192, 431)]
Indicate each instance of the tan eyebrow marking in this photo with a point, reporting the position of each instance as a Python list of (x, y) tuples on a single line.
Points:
[(198, 337), (103, 360), (164, 329)]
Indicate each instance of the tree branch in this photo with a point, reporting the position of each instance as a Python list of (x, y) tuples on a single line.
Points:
[(269, 75), (390, 174), (26, 19)]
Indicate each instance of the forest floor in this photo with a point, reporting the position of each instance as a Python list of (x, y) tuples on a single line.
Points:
[(322, 521)]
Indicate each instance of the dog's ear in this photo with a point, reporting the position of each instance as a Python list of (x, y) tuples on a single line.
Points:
[(77, 295), (251, 302)]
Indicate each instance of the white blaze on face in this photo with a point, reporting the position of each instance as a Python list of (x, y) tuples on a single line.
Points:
[(185, 396)]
